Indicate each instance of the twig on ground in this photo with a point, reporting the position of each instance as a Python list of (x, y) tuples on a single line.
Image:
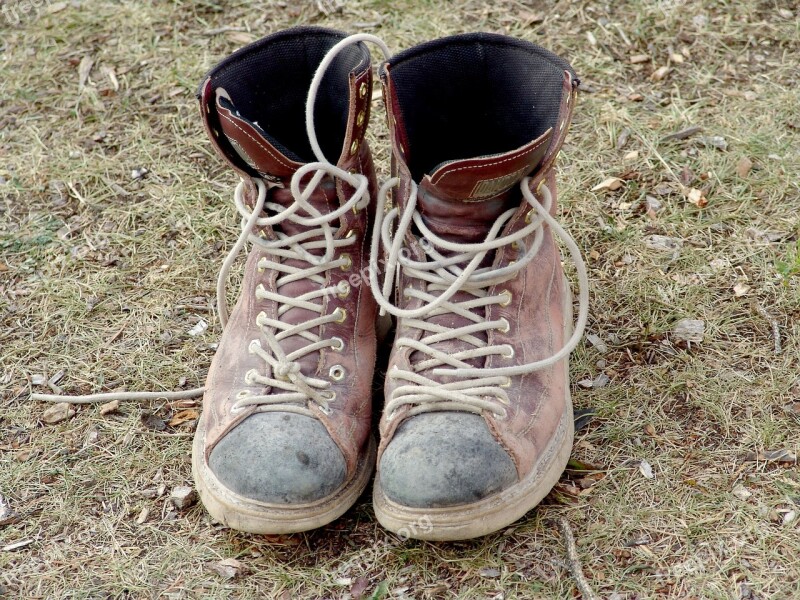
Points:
[(132, 396), (776, 332), (574, 561)]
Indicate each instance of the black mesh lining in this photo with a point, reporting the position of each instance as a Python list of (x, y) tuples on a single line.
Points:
[(474, 94), (268, 83)]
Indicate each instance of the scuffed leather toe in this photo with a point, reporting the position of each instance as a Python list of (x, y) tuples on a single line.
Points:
[(279, 458), (444, 459)]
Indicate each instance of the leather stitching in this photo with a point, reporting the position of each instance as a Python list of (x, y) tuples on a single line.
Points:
[(256, 140), (491, 164)]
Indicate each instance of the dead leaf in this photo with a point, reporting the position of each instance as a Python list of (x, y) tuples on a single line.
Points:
[(690, 330), (112, 76), (660, 74), (240, 37), (697, 198), (646, 470), (663, 243), (639, 58), (84, 68), (631, 156), (359, 588), (677, 58), (610, 184), (60, 411), (715, 141), (650, 430), (184, 416), (740, 289), (151, 421), (743, 167), (230, 568)]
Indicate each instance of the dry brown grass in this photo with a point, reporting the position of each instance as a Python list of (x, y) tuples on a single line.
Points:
[(102, 275)]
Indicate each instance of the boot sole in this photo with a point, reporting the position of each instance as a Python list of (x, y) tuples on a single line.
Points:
[(494, 512), (251, 516)]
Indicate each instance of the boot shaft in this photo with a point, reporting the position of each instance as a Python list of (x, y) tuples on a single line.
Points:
[(470, 116)]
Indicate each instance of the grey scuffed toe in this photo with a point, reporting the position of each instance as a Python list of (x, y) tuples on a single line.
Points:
[(444, 459), (279, 458)]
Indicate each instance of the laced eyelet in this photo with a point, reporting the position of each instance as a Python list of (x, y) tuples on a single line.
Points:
[(339, 345), (529, 216), (260, 317), (506, 383), (337, 372), (260, 268), (330, 396), (341, 315), (508, 295), (348, 262), (350, 234), (502, 415), (506, 326), (343, 288), (510, 353), (249, 377), (251, 347)]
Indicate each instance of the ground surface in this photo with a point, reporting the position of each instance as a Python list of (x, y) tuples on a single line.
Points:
[(105, 267)]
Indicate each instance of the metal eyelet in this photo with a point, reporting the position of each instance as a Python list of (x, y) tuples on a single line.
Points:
[(354, 147), (242, 394), (349, 264), (360, 118), (507, 383), (510, 353), (508, 295), (362, 90), (529, 217), (339, 346), (342, 314), (337, 372), (350, 234), (506, 327), (343, 289)]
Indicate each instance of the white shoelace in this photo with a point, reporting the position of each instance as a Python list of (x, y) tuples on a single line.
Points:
[(466, 388), (296, 388)]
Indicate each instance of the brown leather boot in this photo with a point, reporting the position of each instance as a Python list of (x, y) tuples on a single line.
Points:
[(478, 421), (283, 444)]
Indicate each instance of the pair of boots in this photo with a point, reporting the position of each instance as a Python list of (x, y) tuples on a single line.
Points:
[(477, 424)]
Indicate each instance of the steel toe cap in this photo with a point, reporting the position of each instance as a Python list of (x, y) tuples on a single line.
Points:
[(279, 458), (444, 459)]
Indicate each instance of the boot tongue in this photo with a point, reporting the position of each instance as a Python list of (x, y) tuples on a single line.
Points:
[(461, 199), (277, 164)]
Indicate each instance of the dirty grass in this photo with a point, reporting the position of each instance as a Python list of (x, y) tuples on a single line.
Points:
[(103, 272)]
